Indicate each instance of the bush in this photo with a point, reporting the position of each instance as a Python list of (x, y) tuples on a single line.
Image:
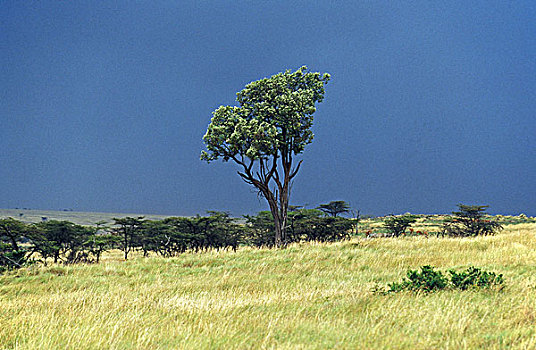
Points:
[(427, 280), (430, 280), (474, 277), (397, 225), (470, 221)]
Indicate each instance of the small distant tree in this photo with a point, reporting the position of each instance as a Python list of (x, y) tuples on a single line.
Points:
[(101, 225), (397, 225), (325, 229), (335, 208), (469, 221), (128, 229), (263, 135), (357, 219), (100, 243)]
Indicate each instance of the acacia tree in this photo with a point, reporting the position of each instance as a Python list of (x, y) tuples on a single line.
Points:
[(262, 135), (335, 208), (397, 225), (128, 229), (470, 221)]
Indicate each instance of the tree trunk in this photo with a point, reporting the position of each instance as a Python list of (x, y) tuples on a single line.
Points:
[(284, 198), (278, 225), (279, 208), (283, 211), (125, 243), (278, 202)]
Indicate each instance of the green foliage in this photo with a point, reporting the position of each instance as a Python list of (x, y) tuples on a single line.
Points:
[(474, 277), (12, 253), (470, 221), (261, 229), (274, 117), (11, 259), (335, 208), (63, 241), (426, 280), (68, 243), (160, 237), (397, 225), (215, 231), (430, 280)]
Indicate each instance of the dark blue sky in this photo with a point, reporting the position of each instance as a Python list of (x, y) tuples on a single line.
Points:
[(103, 106)]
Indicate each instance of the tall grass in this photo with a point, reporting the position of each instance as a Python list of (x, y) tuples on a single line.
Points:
[(313, 296)]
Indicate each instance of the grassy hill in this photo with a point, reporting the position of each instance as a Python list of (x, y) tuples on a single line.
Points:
[(310, 296), (80, 218)]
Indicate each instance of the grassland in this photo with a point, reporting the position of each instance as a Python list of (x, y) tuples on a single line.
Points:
[(309, 296)]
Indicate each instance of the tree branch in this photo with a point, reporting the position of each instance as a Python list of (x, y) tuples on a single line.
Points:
[(295, 172), (245, 178)]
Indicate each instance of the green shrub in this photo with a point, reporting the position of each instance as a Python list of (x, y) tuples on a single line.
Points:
[(426, 280), (430, 280), (474, 277)]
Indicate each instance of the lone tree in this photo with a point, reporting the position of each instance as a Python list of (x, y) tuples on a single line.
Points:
[(271, 125)]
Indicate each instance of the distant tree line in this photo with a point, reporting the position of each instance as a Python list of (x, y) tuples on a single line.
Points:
[(468, 221), (68, 243)]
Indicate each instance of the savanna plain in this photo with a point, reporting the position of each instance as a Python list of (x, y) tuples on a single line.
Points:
[(306, 296)]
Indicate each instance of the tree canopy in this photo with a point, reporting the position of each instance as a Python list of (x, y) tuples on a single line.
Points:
[(270, 126), (335, 208)]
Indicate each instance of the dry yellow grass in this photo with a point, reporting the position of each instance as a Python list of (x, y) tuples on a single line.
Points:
[(309, 296)]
